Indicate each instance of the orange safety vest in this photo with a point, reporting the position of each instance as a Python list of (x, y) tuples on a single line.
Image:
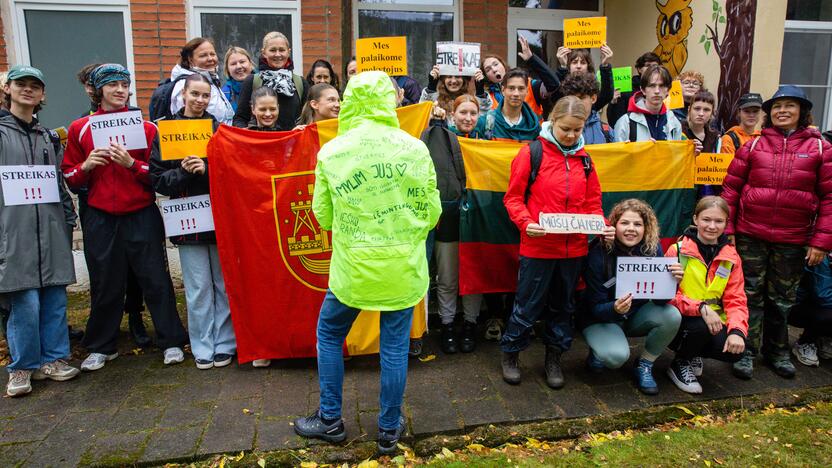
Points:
[(530, 100)]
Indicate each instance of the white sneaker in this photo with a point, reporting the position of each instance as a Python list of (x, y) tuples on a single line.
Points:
[(96, 361), (697, 365), (20, 383), (681, 374), (57, 370), (806, 353), (174, 356), (261, 363), (825, 347)]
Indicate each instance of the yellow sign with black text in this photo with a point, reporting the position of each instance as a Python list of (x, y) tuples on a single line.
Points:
[(387, 54), (179, 139), (585, 32), (674, 99), (712, 167)]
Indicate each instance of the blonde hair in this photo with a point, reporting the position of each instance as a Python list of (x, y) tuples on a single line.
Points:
[(650, 243), (274, 35), (711, 201), (569, 106), (235, 50), (692, 74)]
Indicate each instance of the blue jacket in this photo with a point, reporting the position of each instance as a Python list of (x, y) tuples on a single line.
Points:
[(816, 286), (595, 131)]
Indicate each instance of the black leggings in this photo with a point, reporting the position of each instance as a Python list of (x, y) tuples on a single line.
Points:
[(695, 340)]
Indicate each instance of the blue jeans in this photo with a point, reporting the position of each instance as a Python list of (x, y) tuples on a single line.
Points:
[(334, 323), (37, 331), (209, 316)]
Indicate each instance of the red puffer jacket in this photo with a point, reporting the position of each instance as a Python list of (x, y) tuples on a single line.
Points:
[(561, 186), (781, 191)]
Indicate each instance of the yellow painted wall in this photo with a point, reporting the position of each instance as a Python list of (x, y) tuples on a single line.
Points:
[(631, 31)]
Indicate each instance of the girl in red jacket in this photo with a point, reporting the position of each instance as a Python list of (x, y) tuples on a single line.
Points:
[(550, 264), (710, 296)]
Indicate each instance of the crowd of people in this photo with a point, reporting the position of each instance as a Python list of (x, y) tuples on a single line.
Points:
[(754, 260)]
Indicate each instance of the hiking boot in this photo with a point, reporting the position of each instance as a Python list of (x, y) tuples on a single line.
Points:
[(448, 339), (643, 373), (806, 354), (315, 427), (222, 360), (388, 440), (554, 374), (467, 343), (57, 370), (20, 383), (96, 361), (593, 364), (781, 365), (137, 329), (744, 368), (825, 347), (698, 365), (681, 374), (174, 355), (493, 329), (415, 349), (511, 367), (261, 363)]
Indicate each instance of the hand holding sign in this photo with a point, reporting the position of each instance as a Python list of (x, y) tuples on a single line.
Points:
[(645, 277), (120, 156), (675, 99), (622, 305), (535, 230), (606, 54), (458, 58), (193, 165), (525, 51), (97, 158)]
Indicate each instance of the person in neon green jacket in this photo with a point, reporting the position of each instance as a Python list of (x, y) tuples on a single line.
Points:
[(375, 189)]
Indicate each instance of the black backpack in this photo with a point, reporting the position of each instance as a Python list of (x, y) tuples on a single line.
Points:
[(161, 98), (536, 157)]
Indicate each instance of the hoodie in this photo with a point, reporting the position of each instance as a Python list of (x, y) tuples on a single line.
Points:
[(661, 126), (497, 128), (218, 106)]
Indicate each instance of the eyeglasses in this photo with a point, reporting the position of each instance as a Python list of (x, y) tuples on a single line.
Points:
[(691, 83)]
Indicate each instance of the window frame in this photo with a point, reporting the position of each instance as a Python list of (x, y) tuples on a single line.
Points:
[(20, 37), (815, 27), (357, 5), (247, 7)]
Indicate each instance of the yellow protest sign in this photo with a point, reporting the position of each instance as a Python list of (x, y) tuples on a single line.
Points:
[(62, 134), (181, 138), (712, 167), (585, 32), (674, 99), (387, 54)]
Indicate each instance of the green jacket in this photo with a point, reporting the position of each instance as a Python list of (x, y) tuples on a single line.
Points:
[(375, 189)]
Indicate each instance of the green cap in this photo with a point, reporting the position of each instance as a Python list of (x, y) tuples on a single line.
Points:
[(22, 71)]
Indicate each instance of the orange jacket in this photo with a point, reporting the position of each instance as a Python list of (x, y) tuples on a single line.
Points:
[(728, 142)]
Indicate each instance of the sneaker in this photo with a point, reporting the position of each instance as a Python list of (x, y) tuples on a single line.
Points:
[(261, 363), (554, 373), (493, 330), (448, 339), (388, 440), (825, 347), (681, 374), (20, 383), (643, 372), (744, 368), (511, 367), (96, 361), (806, 354), (781, 365), (415, 349), (698, 365), (222, 360), (315, 427), (174, 355), (593, 364), (467, 341), (203, 364), (57, 370)]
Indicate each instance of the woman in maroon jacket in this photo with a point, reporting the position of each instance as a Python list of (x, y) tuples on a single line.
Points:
[(550, 264), (779, 190)]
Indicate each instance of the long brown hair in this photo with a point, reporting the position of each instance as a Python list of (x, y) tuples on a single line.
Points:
[(187, 52), (445, 99), (307, 114), (650, 243)]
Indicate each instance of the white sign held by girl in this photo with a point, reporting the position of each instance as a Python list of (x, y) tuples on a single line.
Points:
[(188, 215), (458, 58), (122, 128), (645, 277)]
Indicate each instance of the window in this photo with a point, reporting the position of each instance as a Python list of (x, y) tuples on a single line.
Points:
[(423, 22), (244, 23), (585, 5), (38, 28), (809, 10), (541, 23), (807, 61)]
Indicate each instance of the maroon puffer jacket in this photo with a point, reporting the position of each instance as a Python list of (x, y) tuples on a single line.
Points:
[(782, 190)]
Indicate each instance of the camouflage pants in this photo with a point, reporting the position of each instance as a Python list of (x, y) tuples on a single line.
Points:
[(772, 274)]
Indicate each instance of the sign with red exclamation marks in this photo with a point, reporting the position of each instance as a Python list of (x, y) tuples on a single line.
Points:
[(645, 277), (187, 216), (30, 185)]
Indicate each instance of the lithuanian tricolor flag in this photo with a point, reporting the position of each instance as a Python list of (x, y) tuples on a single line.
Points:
[(274, 254), (660, 173)]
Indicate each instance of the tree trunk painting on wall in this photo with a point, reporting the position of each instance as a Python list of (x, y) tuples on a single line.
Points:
[(734, 52)]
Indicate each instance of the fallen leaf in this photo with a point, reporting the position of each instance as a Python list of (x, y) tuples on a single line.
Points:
[(475, 447), (399, 460), (428, 358), (447, 453), (246, 411), (368, 464), (239, 457), (261, 462), (788, 445), (685, 410), (707, 462), (308, 464)]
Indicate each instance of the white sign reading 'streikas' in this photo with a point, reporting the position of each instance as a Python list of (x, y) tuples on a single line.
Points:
[(122, 128), (29, 185), (645, 277), (188, 215), (458, 58), (568, 223)]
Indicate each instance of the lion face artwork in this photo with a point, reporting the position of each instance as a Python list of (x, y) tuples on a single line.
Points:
[(672, 28)]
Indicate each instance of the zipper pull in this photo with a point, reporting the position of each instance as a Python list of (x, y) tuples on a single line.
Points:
[(567, 164)]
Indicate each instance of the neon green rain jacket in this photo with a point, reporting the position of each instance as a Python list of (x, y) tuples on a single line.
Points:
[(375, 188)]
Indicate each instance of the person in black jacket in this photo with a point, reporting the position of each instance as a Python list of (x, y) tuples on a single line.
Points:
[(580, 61), (607, 320), (209, 317), (620, 101)]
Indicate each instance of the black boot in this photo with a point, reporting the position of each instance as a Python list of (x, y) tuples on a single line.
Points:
[(554, 374), (467, 342), (137, 330), (448, 339), (511, 367)]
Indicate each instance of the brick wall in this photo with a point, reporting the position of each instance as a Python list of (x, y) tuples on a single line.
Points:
[(158, 35), (322, 24), (486, 21), (4, 56)]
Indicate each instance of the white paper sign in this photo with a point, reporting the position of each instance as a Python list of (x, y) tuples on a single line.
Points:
[(645, 277), (123, 128), (188, 215), (29, 185), (458, 58), (568, 223)]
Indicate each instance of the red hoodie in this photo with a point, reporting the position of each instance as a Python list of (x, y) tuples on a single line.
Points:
[(633, 107), (561, 186), (112, 188)]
